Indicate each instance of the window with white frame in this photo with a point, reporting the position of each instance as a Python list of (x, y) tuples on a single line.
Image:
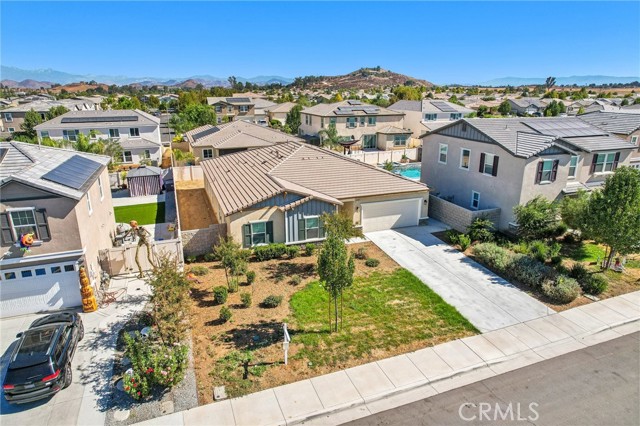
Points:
[(547, 170), (489, 162), (43, 116), (604, 162), (455, 116), (430, 117), (100, 188), (89, 206), (351, 122), (23, 221), (259, 233), (146, 154), (114, 133), (219, 120), (218, 109), (573, 165), (230, 108), (400, 140), (12, 129), (475, 200), (322, 122), (444, 151), (635, 140), (44, 134), (127, 157), (309, 228), (8, 117), (465, 158), (372, 121), (362, 121), (207, 153), (134, 132), (332, 120), (244, 108), (70, 135)]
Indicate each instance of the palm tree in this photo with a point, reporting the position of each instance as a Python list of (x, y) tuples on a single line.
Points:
[(329, 137), (550, 82)]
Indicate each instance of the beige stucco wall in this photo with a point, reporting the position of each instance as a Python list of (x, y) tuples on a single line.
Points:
[(237, 220), (385, 142), (341, 125)]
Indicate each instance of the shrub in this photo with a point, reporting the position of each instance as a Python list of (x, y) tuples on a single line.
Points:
[(594, 284), (361, 253), (563, 290), (199, 270), (464, 241), (270, 251), (210, 257), (539, 250), (371, 262), (272, 301), (296, 279), (497, 258), (309, 249), (561, 229), (245, 298), (191, 259), (453, 236), (529, 271), (293, 251), (251, 277), (220, 294), (579, 272), (537, 218), (233, 285), (556, 260), (570, 238), (225, 314), (482, 230)]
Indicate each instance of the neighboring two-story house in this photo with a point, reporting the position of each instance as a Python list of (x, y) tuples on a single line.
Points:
[(13, 117), (137, 132), (622, 123), (209, 141), (527, 106), (490, 163), (242, 108), (428, 114), (279, 111), (374, 127), (62, 197)]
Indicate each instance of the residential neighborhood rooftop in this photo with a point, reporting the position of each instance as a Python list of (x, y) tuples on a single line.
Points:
[(44, 105), (236, 134), (89, 118), (623, 122), (349, 108)]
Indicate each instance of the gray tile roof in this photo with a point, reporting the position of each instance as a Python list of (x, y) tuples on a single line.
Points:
[(406, 106), (240, 100), (90, 119), (356, 108), (621, 123), (28, 163), (245, 178), (237, 134), (525, 102), (428, 106), (393, 130), (144, 171), (283, 107), (46, 105)]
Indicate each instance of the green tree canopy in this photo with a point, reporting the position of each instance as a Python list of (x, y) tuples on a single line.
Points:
[(31, 119), (192, 116), (504, 108), (536, 218), (293, 120)]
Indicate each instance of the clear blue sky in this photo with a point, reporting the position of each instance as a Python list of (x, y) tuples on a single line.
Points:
[(443, 42)]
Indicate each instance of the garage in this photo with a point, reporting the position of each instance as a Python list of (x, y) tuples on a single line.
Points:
[(39, 288), (390, 214)]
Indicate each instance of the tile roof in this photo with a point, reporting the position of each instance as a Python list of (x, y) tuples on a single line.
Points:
[(406, 106), (525, 102), (90, 119), (283, 107), (351, 106), (241, 100), (28, 163), (245, 178), (44, 105), (144, 171), (393, 130), (621, 122), (237, 134), (428, 106)]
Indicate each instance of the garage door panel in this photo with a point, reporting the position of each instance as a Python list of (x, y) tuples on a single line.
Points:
[(390, 214)]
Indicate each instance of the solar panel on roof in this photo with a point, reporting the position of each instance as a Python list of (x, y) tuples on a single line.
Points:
[(74, 172), (238, 100), (205, 132), (443, 106), (101, 119), (354, 102)]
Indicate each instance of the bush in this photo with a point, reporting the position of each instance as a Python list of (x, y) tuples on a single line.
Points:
[(272, 301), (270, 251), (210, 257), (594, 284), (225, 314), (233, 285), (245, 298), (570, 238), (481, 230), (220, 294), (361, 253), (251, 277), (453, 236), (529, 271), (556, 260), (309, 249), (539, 250), (296, 279), (563, 290), (371, 262), (561, 229), (464, 241), (293, 251), (199, 270), (497, 258), (536, 219), (579, 272), (191, 259)]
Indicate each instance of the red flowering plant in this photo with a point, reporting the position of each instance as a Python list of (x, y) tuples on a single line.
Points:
[(136, 385)]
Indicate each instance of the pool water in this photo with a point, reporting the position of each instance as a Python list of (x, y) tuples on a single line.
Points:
[(410, 173)]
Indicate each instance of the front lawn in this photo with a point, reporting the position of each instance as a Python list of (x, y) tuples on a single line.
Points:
[(145, 214), (583, 252)]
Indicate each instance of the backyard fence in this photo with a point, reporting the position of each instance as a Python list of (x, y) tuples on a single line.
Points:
[(197, 242), (379, 157), (185, 173), (458, 217), (122, 260)]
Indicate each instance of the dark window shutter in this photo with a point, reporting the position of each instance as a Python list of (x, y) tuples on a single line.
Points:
[(43, 226), (554, 170), (7, 235), (539, 172), (481, 163), (495, 165), (593, 163), (270, 232), (246, 236), (616, 160), (302, 233)]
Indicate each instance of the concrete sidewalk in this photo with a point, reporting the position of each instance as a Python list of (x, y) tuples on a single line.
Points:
[(486, 300), (370, 388)]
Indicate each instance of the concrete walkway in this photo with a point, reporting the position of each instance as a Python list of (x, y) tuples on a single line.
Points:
[(371, 388), (486, 300)]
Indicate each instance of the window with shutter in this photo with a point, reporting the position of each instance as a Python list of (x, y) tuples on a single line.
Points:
[(539, 172), (270, 232), (7, 235), (481, 170), (554, 170), (43, 225), (495, 166)]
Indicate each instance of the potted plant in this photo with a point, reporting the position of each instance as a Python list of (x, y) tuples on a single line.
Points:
[(404, 158)]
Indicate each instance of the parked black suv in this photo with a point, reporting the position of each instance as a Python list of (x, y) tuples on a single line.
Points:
[(40, 365)]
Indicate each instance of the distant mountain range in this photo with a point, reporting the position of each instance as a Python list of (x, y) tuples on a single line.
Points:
[(580, 80), (47, 77)]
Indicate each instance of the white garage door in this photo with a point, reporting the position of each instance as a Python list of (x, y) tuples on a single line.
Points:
[(39, 288), (390, 214)]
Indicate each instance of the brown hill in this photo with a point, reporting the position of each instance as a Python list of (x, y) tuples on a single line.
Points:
[(78, 87), (364, 78), (26, 84)]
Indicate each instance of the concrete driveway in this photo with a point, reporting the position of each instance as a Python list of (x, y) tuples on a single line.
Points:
[(486, 300), (84, 402)]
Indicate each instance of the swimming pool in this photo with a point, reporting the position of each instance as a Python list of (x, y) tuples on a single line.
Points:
[(411, 171)]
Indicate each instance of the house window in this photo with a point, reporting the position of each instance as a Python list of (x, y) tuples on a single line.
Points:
[(444, 150), (93, 134), (89, 207), (487, 168), (230, 108), (23, 222), (634, 140), (134, 132), (362, 121), (604, 162), (351, 122), (127, 157), (12, 129), (207, 153), (372, 121), (309, 228), (257, 233), (44, 134), (455, 116), (475, 200), (547, 171), (70, 135), (400, 140), (8, 117), (114, 133), (43, 116), (244, 108), (26, 274), (322, 122), (40, 272), (430, 117), (573, 165), (465, 156), (146, 154), (100, 188), (218, 108), (332, 120), (219, 120)]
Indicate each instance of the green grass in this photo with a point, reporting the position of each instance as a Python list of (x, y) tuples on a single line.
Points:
[(583, 252), (381, 312), (145, 214)]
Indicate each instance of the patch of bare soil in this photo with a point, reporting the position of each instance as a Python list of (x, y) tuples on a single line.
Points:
[(194, 208)]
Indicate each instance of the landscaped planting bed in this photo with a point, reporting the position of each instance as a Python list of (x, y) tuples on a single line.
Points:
[(386, 312)]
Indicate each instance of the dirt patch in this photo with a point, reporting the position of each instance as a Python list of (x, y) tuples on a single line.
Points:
[(189, 184), (194, 209)]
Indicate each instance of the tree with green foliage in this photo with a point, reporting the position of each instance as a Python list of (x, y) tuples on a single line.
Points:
[(573, 209), (329, 137), (231, 257), (581, 110), (537, 218), (409, 93), (340, 224), (293, 120), (31, 120), (504, 108), (192, 116), (550, 82), (482, 110), (56, 111)]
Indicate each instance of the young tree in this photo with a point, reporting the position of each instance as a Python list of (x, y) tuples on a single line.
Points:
[(231, 257), (330, 137), (504, 108), (573, 209), (536, 218), (56, 111), (31, 120), (192, 116), (293, 120)]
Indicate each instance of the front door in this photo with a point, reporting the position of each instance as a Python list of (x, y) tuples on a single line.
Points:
[(369, 141)]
